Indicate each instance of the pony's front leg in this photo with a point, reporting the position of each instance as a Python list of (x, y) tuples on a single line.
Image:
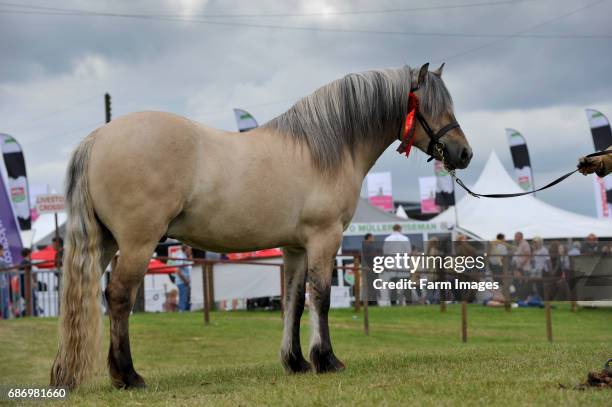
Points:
[(321, 251), (295, 282)]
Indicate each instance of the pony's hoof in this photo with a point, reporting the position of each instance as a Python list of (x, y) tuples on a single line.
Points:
[(129, 382), (136, 386), (325, 361), (295, 364)]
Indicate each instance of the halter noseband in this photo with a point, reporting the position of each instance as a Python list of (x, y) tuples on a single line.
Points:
[(407, 136)]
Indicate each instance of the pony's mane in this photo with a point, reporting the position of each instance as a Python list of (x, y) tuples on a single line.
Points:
[(358, 108)]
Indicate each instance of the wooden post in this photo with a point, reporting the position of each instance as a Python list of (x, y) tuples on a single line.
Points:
[(366, 300), (205, 293), (571, 286), (506, 284), (549, 334), (545, 283), (282, 290), (28, 289), (357, 285), (464, 321)]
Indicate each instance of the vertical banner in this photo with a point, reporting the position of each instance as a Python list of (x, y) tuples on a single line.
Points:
[(427, 189), (602, 139), (10, 238), (17, 180), (379, 190), (244, 120), (520, 158), (445, 189)]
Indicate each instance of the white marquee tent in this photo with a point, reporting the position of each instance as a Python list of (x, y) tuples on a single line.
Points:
[(487, 217)]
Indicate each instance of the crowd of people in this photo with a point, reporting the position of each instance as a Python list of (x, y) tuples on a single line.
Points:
[(537, 270)]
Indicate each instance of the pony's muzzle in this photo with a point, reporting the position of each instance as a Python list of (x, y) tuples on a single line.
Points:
[(458, 155)]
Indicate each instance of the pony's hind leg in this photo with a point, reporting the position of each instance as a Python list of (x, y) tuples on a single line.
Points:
[(321, 253), (295, 282), (120, 297)]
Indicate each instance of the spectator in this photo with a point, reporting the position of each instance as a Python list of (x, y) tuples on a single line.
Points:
[(464, 248), (58, 245), (541, 265), (591, 245), (521, 263), (418, 295), (575, 250), (499, 249), (5, 305), (26, 253), (557, 286), (183, 277), (403, 245), (368, 251), (396, 242)]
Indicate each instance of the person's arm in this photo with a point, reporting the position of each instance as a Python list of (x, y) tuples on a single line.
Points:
[(601, 165)]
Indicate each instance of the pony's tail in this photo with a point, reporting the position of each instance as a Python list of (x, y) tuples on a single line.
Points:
[(80, 323)]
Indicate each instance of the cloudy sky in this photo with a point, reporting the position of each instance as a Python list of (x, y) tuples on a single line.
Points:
[(533, 65)]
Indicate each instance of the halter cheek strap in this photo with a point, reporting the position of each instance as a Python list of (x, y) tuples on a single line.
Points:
[(434, 138)]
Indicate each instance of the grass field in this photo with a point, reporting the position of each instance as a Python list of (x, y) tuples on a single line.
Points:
[(413, 356)]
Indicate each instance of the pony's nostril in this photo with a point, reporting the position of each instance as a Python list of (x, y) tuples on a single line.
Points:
[(465, 154)]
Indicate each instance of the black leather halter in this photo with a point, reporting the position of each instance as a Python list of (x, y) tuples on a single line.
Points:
[(434, 138)]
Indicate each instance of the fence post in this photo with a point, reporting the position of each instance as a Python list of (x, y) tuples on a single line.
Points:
[(464, 321), (571, 285), (357, 284), (28, 289), (547, 312), (506, 283), (366, 300), (282, 290), (549, 334), (205, 293)]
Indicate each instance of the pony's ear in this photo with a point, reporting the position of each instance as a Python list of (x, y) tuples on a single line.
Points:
[(438, 72), (422, 74)]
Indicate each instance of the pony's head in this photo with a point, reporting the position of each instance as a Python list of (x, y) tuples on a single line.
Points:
[(437, 132)]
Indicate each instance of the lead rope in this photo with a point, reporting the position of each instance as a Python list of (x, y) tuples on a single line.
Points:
[(553, 183)]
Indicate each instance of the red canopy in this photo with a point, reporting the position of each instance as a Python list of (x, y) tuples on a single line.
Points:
[(45, 258), (256, 254), (159, 267)]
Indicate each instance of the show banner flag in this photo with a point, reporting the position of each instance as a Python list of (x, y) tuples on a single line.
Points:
[(379, 190), (445, 189), (520, 158), (10, 238), (245, 120), (602, 139), (17, 180), (427, 188)]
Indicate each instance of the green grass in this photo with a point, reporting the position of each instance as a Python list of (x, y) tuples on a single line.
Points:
[(413, 356)]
